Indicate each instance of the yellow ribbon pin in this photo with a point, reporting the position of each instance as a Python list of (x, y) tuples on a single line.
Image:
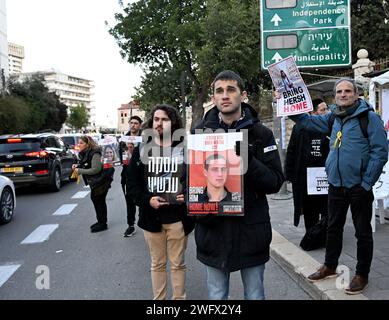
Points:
[(338, 141)]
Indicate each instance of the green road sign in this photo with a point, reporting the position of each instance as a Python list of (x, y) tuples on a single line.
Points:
[(315, 32)]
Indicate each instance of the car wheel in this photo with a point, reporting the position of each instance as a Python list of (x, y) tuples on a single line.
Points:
[(7, 205), (55, 184)]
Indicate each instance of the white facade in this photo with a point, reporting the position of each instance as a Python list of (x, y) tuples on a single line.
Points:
[(3, 45), (15, 58), (72, 91)]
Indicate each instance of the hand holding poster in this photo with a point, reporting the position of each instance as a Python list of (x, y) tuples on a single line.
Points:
[(215, 180), (295, 98)]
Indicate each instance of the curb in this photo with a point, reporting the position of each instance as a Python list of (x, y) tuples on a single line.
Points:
[(299, 265)]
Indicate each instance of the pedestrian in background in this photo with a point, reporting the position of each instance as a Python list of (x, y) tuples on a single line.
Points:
[(354, 164), (99, 179), (308, 149), (165, 225), (227, 244), (135, 123)]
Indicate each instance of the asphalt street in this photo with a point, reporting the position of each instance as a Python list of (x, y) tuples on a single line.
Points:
[(69, 262)]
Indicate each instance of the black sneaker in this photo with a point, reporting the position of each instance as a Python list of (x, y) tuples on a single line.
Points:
[(99, 227), (94, 225), (129, 232)]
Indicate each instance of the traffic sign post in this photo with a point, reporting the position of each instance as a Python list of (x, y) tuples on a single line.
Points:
[(316, 33)]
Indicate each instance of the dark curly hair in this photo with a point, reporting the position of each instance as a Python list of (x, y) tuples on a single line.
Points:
[(171, 112)]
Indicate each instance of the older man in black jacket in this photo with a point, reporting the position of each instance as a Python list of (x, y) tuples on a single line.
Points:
[(226, 244)]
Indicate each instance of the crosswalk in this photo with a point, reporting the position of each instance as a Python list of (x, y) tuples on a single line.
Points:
[(41, 234)]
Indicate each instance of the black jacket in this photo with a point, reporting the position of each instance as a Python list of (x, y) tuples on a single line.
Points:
[(234, 243), (305, 149), (149, 218)]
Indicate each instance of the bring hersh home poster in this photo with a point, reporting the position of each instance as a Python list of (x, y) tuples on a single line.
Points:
[(215, 180), (295, 97)]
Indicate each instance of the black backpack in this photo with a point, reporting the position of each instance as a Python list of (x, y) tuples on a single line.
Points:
[(363, 119), (315, 237)]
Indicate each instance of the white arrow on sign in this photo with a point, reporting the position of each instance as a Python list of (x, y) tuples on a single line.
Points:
[(276, 19), (276, 57)]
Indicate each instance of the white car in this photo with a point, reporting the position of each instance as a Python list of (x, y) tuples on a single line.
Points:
[(7, 199)]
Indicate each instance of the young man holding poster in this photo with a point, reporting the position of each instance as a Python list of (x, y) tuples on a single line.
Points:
[(353, 166), (165, 225), (226, 244)]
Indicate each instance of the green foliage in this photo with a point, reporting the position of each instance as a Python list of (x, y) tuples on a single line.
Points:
[(200, 38), (370, 28), (78, 117), (14, 115), (204, 37), (45, 111)]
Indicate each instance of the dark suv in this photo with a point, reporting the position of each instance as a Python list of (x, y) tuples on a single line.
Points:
[(35, 159)]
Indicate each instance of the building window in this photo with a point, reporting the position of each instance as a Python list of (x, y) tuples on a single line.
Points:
[(122, 121)]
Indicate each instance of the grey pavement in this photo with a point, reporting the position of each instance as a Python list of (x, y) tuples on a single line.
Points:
[(299, 264)]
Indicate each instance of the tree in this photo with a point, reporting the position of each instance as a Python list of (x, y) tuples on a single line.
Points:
[(370, 27), (200, 38), (78, 117), (14, 115), (46, 111)]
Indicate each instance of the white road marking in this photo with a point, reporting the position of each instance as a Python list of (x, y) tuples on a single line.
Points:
[(7, 271), (65, 209), (40, 234), (80, 194)]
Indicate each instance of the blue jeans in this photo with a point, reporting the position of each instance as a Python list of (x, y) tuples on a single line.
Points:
[(218, 283)]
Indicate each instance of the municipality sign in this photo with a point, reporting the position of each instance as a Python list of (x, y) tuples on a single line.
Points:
[(316, 33)]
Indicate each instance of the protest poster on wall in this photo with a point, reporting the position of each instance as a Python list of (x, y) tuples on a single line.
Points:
[(215, 180), (317, 182), (295, 97)]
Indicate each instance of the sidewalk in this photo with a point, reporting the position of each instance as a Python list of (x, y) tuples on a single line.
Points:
[(299, 264)]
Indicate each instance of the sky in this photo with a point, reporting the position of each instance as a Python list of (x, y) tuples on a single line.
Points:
[(71, 36)]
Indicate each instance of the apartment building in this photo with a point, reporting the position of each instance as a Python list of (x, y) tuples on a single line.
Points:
[(4, 73), (15, 58), (72, 90)]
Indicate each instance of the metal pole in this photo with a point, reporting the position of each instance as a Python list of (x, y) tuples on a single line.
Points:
[(279, 134)]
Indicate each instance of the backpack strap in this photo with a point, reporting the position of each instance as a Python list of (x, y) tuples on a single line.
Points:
[(363, 119)]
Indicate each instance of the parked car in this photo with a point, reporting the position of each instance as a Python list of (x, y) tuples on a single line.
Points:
[(42, 159), (71, 140), (7, 199)]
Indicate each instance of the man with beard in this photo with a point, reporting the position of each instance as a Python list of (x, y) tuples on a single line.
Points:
[(165, 225)]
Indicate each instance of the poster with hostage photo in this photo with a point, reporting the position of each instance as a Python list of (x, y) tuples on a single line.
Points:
[(294, 95), (109, 150), (164, 174), (126, 148), (215, 179)]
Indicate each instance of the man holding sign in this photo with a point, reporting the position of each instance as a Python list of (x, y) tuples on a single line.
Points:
[(353, 166)]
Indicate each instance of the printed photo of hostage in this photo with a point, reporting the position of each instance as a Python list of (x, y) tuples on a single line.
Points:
[(215, 181), (110, 156)]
